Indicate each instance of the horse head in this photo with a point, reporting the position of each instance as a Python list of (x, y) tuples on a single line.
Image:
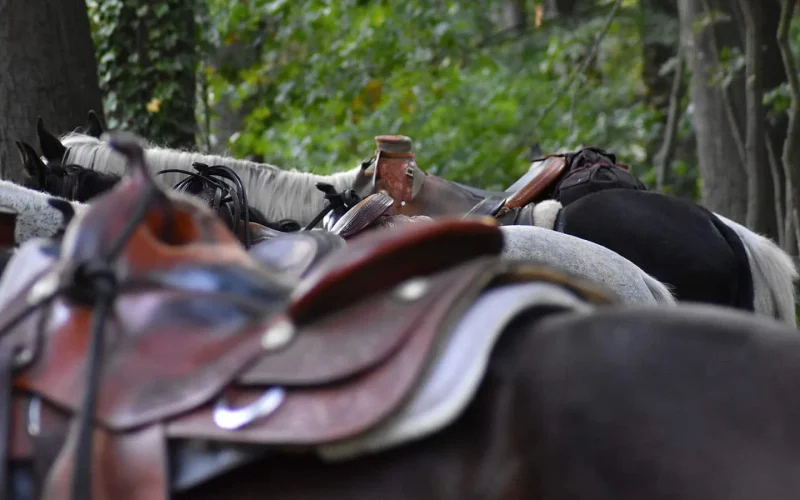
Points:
[(53, 149)]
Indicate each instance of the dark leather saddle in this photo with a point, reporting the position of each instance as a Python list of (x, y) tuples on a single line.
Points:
[(202, 344), (394, 170)]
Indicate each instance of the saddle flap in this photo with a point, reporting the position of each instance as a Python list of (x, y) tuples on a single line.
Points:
[(326, 412), (552, 169), (347, 341), (364, 214), (168, 352), (384, 258)]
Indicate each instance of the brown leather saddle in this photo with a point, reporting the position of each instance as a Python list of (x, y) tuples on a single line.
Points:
[(394, 170), (155, 330)]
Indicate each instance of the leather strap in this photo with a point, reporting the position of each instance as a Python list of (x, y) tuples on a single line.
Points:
[(555, 167), (364, 214), (488, 206), (6, 371), (8, 224), (126, 466)]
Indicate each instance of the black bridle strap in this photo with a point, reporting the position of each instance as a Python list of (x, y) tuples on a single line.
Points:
[(6, 381), (223, 195), (244, 208)]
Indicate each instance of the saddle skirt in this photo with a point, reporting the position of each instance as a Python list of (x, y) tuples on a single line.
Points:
[(207, 345)]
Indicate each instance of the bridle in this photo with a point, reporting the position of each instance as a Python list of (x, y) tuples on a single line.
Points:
[(215, 176), (93, 282)]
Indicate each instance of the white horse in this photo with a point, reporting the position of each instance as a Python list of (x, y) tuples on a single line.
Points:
[(278, 194), (586, 260), (35, 218)]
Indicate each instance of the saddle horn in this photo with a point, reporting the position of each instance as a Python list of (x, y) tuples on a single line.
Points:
[(130, 146)]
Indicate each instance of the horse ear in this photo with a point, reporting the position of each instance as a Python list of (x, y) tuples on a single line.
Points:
[(34, 166), (95, 128), (52, 149)]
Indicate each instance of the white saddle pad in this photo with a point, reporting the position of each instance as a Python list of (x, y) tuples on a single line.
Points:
[(456, 374)]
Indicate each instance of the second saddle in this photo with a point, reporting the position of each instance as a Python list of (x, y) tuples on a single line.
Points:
[(394, 170), (201, 343)]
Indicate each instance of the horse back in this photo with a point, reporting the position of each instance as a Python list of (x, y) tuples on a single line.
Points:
[(675, 240)]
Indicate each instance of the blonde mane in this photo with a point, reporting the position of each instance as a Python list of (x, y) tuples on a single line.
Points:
[(278, 194)]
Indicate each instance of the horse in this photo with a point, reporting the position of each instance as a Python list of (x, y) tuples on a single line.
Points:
[(540, 386), (704, 257), (280, 195), (71, 182)]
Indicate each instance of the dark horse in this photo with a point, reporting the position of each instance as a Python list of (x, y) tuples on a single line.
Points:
[(578, 401), (703, 256)]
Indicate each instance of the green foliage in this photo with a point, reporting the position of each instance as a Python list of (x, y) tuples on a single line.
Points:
[(147, 58), (474, 95)]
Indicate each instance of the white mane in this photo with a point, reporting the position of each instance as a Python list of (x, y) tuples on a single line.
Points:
[(278, 194)]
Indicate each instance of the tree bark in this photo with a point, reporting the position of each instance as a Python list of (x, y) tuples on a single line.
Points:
[(791, 147), (48, 68), (516, 15), (760, 209), (663, 158), (724, 188), (658, 22)]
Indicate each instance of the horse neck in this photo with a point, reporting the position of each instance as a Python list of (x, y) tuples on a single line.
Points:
[(278, 194)]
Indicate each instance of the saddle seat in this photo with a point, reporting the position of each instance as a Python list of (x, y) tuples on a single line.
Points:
[(395, 171)]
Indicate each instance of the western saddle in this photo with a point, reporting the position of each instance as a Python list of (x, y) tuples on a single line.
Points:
[(204, 341), (394, 170)]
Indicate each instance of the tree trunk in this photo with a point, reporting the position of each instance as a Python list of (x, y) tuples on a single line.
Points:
[(761, 215), (716, 114), (774, 76), (659, 20), (47, 68), (516, 15), (227, 119)]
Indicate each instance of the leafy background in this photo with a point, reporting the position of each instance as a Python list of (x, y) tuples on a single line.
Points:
[(313, 82)]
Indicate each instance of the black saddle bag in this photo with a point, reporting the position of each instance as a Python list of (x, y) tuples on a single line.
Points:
[(591, 170)]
